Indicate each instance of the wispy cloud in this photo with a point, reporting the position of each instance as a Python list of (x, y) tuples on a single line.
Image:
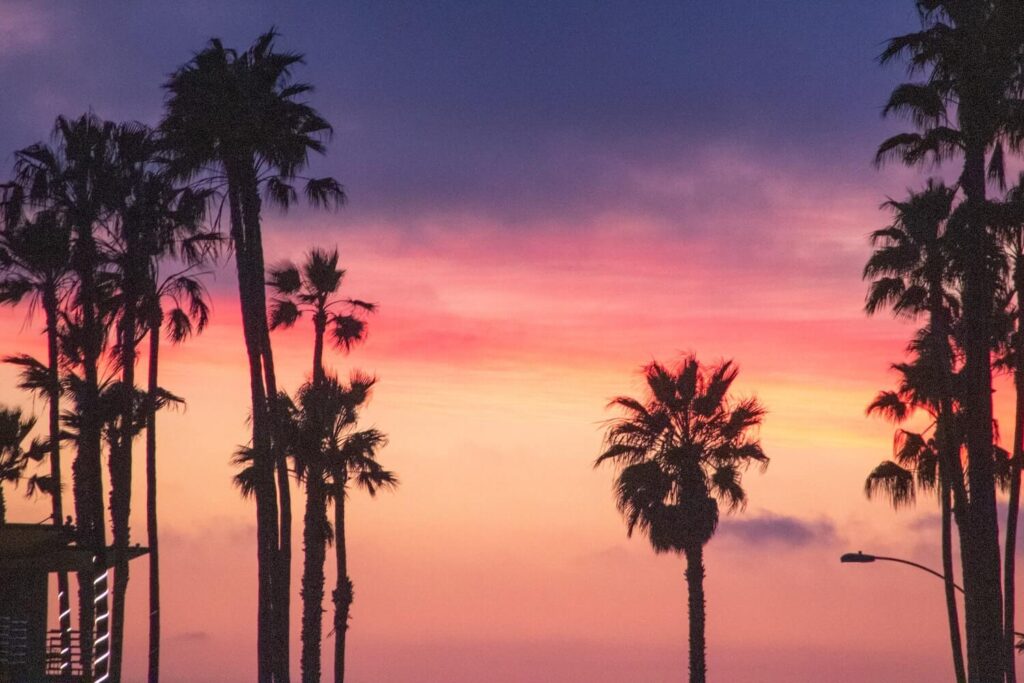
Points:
[(771, 529)]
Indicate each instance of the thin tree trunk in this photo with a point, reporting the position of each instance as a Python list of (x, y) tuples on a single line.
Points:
[(983, 589), (314, 531), (1010, 548), (947, 569), (264, 493), (319, 328), (257, 284), (121, 468), (315, 539), (343, 592), (1011, 536), (695, 588), (87, 467), (151, 517), (50, 307), (949, 456), (284, 578)]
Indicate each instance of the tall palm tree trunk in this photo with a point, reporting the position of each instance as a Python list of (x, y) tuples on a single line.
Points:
[(343, 592), (947, 569), (314, 530), (50, 307), (983, 589), (315, 540), (1010, 548), (257, 293), (1011, 532), (267, 528), (87, 467), (949, 461), (151, 517), (121, 477), (319, 329), (695, 588)]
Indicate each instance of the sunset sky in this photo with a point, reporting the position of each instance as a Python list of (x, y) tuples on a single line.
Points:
[(542, 199)]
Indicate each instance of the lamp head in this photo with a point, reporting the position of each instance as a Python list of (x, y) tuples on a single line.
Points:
[(857, 558)]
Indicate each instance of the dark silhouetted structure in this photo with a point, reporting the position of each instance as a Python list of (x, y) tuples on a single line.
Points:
[(29, 553)]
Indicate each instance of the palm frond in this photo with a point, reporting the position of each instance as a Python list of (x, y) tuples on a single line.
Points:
[(35, 376), (894, 482)]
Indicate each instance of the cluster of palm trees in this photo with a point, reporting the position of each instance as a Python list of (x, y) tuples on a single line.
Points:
[(952, 260), (87, 222), (108, 229)]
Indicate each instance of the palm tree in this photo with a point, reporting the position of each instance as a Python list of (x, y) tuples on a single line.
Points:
[(13, 430), (968, 55), (911, 272), (679, 453), (188, 313), (328, 453), (154, 219), (313, 290), (350, 459), (35, 261), (239, 113), (74, 180), (110, 409), (922, 462), (134, 151)]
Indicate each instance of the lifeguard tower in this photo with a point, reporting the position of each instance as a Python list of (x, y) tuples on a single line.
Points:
[(30, 652)]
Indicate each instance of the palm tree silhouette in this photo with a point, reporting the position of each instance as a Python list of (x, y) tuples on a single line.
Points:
[(922, 462), (155, 220), (13, 431), (911, 272), (74, 179), (328, 452), (188, 313), (313, 290), (350, 458), (969, 61), (240, 113), (35, 263), (138, 204), (679, 453)]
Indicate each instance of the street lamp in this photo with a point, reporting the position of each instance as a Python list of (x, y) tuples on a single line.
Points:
[(864, 558)]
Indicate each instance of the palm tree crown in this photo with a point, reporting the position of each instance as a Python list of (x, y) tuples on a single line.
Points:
[(312, 289), (681, 452), (13, 459), (242, 109), (910, 270)]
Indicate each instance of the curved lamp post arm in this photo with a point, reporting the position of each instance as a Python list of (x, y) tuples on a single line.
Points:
[(864, 558), (919, 566)]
